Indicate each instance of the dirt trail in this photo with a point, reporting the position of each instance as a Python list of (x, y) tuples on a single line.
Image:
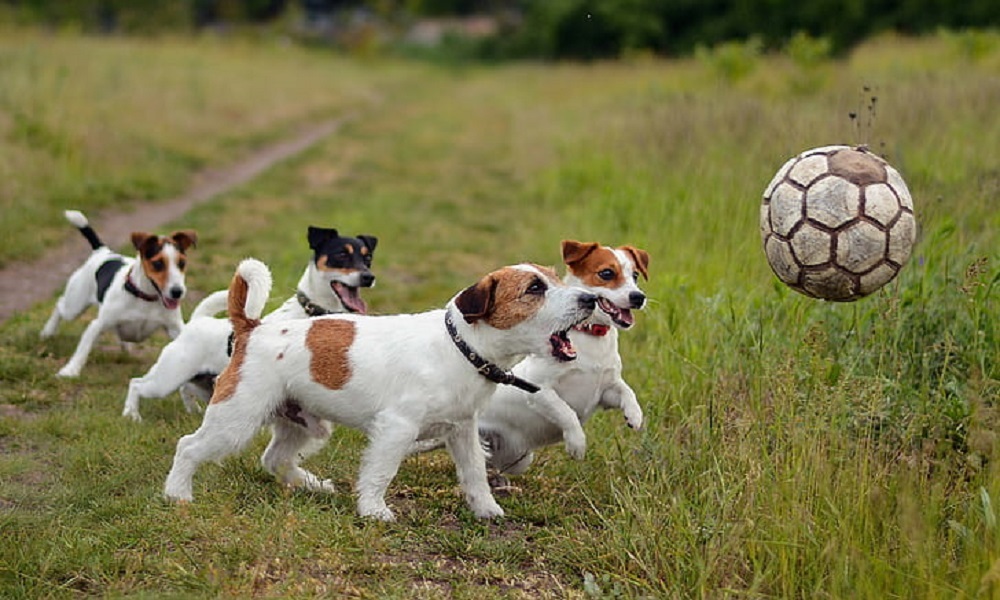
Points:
[(23, 284)]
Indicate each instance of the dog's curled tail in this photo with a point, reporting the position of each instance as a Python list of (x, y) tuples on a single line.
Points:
[(211, 305), (248, 294), (78, 220)]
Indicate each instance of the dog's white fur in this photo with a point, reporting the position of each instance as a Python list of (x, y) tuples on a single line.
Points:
[(202, 345), (131, 318), (515, 423), (401, 379)]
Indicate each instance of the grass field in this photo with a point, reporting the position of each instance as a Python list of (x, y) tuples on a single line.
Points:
[(793, 448)]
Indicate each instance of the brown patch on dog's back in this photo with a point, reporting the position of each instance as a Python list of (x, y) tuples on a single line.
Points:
[(329, 341)]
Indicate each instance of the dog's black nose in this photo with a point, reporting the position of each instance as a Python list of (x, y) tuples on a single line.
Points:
[(588, 301), (176, 293), (636, 299), (367, 280)]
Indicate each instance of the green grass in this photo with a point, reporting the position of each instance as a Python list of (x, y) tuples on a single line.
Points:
[(793, 448)]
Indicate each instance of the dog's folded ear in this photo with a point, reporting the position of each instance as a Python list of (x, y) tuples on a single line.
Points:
[(318, 235), (148, 244), (574, 251), (185, 238), (476, 301), (370, 241), (640, 258)]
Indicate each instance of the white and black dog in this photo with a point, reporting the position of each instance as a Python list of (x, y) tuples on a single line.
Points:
[(339, 267), (398, 378), (514, 423), (135, 296)]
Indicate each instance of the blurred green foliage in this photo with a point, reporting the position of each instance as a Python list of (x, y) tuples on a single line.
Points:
[(550, 29)]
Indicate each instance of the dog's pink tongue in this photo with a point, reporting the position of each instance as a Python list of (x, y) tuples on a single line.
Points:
[(562, 348), (170, 303), (350, 297)]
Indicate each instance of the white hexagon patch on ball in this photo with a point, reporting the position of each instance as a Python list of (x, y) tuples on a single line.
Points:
[(837, 223)]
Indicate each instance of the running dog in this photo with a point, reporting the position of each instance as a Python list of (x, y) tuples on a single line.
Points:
[(514, 424), (339, 267), (135, 296), (398, 378)]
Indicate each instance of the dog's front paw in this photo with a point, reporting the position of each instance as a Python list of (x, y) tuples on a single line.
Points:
[(178, 498), (378, 511), (634, 418), (488, 510), (576, 445), (133, 414), (68, 372)]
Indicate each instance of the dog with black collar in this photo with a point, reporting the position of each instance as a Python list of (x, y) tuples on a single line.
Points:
[(399, 378), (330, 284), (135, 296)]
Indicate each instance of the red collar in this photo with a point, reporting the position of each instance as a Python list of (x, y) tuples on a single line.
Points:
[(131, 288), (594, 329)]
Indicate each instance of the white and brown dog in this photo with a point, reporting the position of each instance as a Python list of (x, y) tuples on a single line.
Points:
[(514, 424), (340, 266), (135, 296), (398, 378)]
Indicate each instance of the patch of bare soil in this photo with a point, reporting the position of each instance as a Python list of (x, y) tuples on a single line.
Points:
[(23, 284)]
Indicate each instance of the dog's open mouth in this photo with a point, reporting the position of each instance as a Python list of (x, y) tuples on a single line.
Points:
[(349, 297), (562, 348), (170, 303), (622, 317)]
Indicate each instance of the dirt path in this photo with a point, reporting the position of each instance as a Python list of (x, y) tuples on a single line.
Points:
[(23, 284)]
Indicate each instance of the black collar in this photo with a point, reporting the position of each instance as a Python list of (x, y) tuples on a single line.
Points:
[(131, 288), (486, 368), (312, 309)]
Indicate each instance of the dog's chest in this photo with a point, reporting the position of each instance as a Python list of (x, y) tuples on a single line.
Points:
[(137, 330)]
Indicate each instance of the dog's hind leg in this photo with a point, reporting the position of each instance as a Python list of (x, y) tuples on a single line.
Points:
[(290, 443), (227, 428), (174, 368), (391, 438), (470, 465), (79, 294), (52, 324)]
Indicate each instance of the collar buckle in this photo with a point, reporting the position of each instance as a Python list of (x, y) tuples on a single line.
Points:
[(484, 367)]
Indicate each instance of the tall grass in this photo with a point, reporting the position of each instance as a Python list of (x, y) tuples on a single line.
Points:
[(792, 448)]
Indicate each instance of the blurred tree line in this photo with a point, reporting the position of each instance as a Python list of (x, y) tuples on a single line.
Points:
[(579, 29)]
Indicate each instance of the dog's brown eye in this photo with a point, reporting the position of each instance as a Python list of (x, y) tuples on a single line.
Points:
[(181, 264), (606, 274), (537, 287), (158, 265), (635, 276)]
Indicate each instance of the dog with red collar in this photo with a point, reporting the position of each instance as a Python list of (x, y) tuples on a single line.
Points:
[(514, 424), (135, 296)]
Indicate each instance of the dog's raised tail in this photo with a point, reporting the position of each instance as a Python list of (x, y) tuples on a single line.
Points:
[(248, 294), (78, 220), (211, 305)]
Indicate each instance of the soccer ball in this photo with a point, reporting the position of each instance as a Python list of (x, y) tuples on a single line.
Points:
[(837, 223)]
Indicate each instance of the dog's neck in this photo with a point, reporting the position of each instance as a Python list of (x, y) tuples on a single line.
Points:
[(488, 369), (317, 289), (139, 285)]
